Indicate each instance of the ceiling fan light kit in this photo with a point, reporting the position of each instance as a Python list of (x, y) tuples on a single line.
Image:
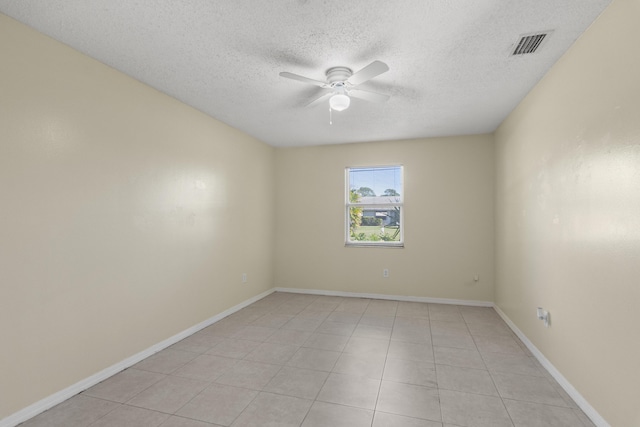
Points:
[(339, 102), (342, 83)]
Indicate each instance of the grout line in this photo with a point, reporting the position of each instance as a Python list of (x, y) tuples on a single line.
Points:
[(433, 354), (384, 367)]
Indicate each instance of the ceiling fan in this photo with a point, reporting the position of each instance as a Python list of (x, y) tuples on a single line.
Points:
[(343, 83)]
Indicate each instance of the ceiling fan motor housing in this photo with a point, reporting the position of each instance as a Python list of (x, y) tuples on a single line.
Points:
[(338, 74)]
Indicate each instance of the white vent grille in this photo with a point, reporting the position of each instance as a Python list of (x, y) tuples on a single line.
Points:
[(529, 44)]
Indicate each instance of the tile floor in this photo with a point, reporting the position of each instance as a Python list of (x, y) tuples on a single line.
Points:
[(306, 360)]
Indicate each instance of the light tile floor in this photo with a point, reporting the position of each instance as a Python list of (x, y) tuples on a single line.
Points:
[(306, 360)]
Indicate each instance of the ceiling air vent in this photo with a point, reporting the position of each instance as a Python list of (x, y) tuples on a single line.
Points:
[(529, 43)]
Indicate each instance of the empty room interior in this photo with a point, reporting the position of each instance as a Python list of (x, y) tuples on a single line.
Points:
[(173, 210)]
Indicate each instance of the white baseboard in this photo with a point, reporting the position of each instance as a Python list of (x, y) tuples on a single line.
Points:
[(589, 410), (387, 297), (59, 397)]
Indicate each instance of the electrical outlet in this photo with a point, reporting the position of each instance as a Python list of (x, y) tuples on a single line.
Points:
[(385, 272), (244, 277), (543, 314)]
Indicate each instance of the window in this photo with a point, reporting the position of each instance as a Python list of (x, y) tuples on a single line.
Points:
[(374, 203)]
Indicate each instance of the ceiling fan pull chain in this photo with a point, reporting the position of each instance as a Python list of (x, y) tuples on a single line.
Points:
[(330, 121)]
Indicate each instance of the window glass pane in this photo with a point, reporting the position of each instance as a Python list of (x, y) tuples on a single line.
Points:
[(381, 224), (375, 185)]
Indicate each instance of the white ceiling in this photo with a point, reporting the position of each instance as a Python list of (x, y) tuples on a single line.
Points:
[(451, 72)]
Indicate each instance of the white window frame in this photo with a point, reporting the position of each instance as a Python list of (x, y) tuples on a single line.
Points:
[(348, 205)]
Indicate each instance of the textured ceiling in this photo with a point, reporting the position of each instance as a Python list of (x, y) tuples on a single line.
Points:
[(451, 72)]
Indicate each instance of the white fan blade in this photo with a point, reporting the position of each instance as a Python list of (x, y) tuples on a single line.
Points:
[(303, 79), (319, 100), (370, 71), (368, 96)]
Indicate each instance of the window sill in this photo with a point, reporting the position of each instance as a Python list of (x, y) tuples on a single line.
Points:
[(399, 245)]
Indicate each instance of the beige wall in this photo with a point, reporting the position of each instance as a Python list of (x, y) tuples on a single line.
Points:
[(448, 219), (568, 214), (126, 217)]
